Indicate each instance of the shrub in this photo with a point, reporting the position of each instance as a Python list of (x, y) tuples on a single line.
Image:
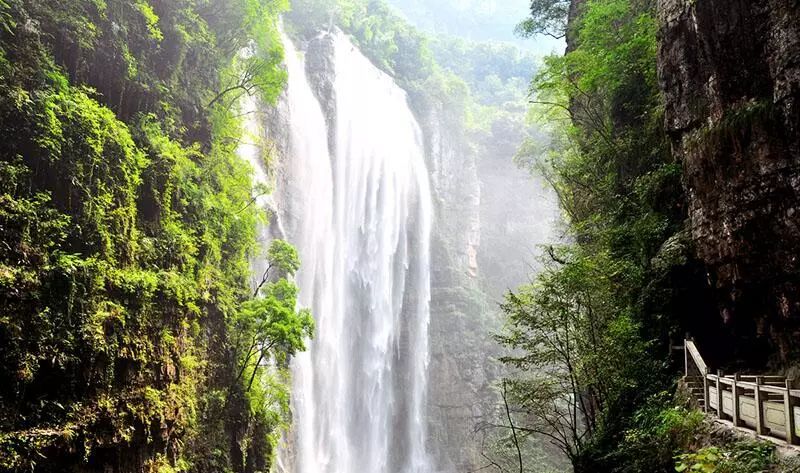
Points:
[(739, 457)]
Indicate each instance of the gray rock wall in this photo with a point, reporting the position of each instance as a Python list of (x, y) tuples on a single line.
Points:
[(730, 74), (460, 372), (491, 219)]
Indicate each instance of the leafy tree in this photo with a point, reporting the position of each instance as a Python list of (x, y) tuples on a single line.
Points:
[(269, 327), (590, 329), (548, 17), (577, 347)]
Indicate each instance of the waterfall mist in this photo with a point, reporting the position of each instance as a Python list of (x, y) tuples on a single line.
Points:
[(362, 210)]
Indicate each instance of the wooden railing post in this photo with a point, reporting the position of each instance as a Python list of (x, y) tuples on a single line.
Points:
[(788, 409), (686, 356), (759, 406), (735, 396), (764, 387), (720, 408)]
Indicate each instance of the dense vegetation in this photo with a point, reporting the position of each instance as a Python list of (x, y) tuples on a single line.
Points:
[(476, 20), (497, 73), (469, 82), (392, 45), (130, 336), (590, 338)]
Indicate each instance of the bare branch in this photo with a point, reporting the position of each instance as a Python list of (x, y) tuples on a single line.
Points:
[(551, 252), (511, 424), (264, 279), (252, 201)]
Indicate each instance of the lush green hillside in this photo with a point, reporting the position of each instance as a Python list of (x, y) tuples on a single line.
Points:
[(589, 341), (128, 333), (477, 20), (479, 88)]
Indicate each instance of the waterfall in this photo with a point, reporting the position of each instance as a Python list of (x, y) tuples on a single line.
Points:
[(362, 228)]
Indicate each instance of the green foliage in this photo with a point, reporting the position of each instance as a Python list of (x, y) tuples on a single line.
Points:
[(265, 332), (270, 327), (151, 19), (127, 233), (740, 457), (610, 166), (703, 461), (469, 86), (580, 352), (380, 32), (7, 22), (283, 257), (273, 323), (161, 57), (547, 17), (259, 68), (93, 165), (496, 72), (658, 432)]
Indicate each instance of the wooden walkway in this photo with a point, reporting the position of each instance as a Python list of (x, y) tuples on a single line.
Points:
[(766, 405)]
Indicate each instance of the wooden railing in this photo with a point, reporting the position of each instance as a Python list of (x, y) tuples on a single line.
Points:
[(767, 405)]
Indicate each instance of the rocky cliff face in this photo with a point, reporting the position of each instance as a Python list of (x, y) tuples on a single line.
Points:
[(491, 216), (730, 74), (460, 372)]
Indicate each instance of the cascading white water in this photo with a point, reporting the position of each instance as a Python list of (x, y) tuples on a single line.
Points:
[(363, 224)]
